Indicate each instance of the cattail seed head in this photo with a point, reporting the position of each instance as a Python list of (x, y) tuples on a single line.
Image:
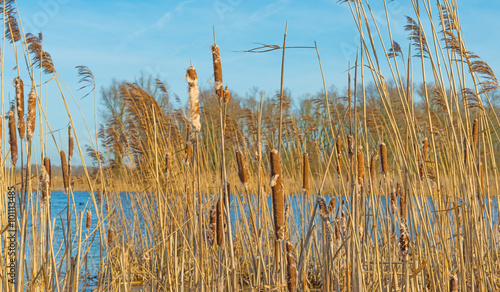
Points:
[(425, 149), (242, 171), (220, 221), (393, 200), (475, 133), (89, 219), (194, 93), (384, 169), (373, 166), (188, 199), (361, 163), (305, 173), (466, 153), (402, 206), (44, 185), (168, 164), (227, 95), (217, 72), (350, 146), (31, 113), (278, 195), (18, 84), (212, 228), (404, 240), (291, 269), (70, 144), (454, 283), (12, 137), (48, 168), (323, 209), (331, 205), (110, 237), (64, 166), (339, 157)]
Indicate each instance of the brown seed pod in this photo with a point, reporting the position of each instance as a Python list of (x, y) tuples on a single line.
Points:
[(305, 173), (48, 168), (64, 166), (89, 219), (361, 163), (227, 95), (339, 157), (454, 283), (217, 73), (242, 171), (278, 195), (110, 237), (425, 149), (331, 205), (393, 200), (44, 185), (384, 168), (188, 199), (12, 137), (373, 166), (402, 207), (475, 133), (350, 146), (213, 225), (291, 269), (323, 209), (404, 240), (220, 222), (18, 84), (194, 93), (31, 114)]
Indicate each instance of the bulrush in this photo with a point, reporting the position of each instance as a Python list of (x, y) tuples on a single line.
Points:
[(404, 240), (291, 269), (217, 73), (70, 150), (64, 166), (278, 195), (18, 84), (227, 95), (242, 171), (12, 137), (31, 114), (88, 220), (361, 163), (194, 93), (220, 221), (384, 169), (168, 164), (305, 173), (331, 205), (44, 185), (402, 201), (475, 133), (425, 149), (48, 168), (373, 166), (110, 237), (350, 146), (453, 283)]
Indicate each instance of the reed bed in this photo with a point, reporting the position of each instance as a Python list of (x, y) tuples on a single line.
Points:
[(371, 190)]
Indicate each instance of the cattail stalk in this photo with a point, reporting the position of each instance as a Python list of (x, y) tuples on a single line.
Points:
[(278, 195), (475, 133), (70, 150)]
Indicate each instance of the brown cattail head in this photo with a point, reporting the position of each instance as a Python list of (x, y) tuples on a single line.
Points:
[(278, 195), (220, 221), (12, 137), (31, 113), (168, 164), (466, 153), (194, 93), (18, 84), (404, 240), (217, 73), (384, 169), (48, 168), (350, 146), (393, 200), (339, 157), (361, 163), (402, 201), (64, 166), (227, 95), (110, 237), (70, 144), (44, 185), (188, 199), (242, 171), (323, 209), (331, 205), (475, 133), (98, 197), (291, 269), (305, 173), (89, 219), (373, 167), (454, 283), (425, 149)]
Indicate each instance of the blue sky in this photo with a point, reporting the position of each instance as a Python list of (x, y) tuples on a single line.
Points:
[(118, 39)]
